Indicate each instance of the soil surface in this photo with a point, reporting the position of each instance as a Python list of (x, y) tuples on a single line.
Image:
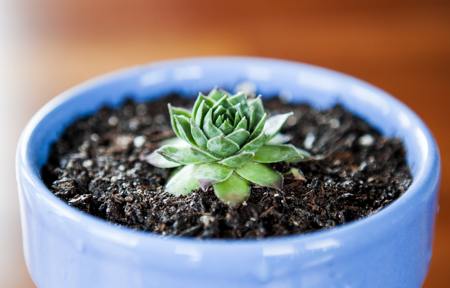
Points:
[(99, 166)]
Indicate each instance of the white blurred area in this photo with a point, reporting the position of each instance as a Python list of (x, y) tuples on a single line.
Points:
[(13, 115)]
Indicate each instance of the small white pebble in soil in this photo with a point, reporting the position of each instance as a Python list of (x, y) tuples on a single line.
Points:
[(309, 140), (123, 141), (366, 140), (362, 166), (206, 219), (113, 121), (94, 137), (133, 124), (334, 123), (139, 141), (87, 163)]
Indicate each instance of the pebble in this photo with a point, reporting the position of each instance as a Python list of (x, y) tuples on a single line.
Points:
[(139, 141), (309, 140), (366, 140), (334, 123), (206, 219), (133, 124), (123, 141), (113, 121), (94, 137), (87, 163)]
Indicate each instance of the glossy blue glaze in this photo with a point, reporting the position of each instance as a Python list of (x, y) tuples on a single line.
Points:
[(67, 248)]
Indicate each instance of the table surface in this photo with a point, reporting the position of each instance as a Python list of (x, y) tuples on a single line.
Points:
[(403, 48)]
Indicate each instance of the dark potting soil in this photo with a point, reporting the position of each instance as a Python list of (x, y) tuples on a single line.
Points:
[(99, 166)]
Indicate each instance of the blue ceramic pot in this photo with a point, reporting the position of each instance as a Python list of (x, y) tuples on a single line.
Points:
[(67, 248)]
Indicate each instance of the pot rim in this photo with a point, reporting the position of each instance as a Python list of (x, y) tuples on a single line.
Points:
[(425, 178)]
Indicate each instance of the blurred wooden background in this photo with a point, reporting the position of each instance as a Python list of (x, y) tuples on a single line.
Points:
[(401, 46)]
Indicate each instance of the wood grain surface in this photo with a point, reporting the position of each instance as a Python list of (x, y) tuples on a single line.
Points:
[(403, 47)]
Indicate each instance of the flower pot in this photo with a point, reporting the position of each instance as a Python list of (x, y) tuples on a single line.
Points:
[(65, 247)]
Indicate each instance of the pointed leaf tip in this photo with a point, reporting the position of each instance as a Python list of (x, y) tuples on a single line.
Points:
[(261, 175), (273, 153), (222, 146), (256, 109), (160, 161), (185, 154), (237, 160), (182, 182), (275, 123)]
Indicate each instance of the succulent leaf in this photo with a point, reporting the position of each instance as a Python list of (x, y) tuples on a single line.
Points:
[(254, 144), (179, 111), (239, 136), (184, 128), (261, 175), (256, 111), (198, 114), (215, 94), (239, 98), (208, 126), (277, 153), (259, 127), (221, 102), (237, 160), (219, 120), (242, 124), (280, 139), (211, 173), (185, 155), (219, 111), (160, 161), (172, 120), (221, 146), (174, 142), (226, 127), (198, 135), (232, 191), (181, 182), (274, 124)]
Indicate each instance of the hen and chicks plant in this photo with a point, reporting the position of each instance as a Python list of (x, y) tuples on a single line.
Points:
[(226, 141)]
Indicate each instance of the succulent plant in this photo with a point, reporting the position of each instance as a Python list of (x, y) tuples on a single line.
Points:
[(226, 142)]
